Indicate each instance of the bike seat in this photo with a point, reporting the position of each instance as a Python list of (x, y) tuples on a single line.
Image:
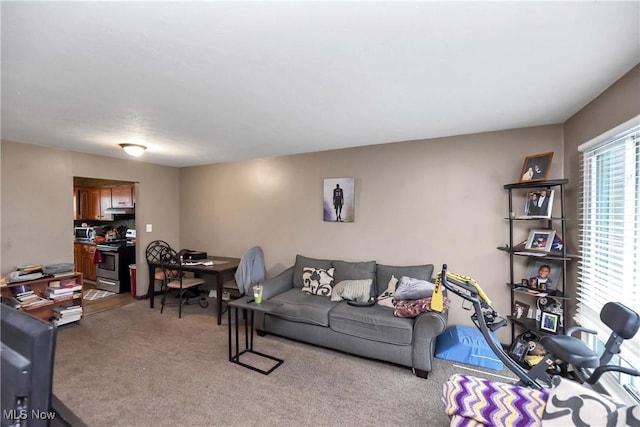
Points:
[(571, 350)]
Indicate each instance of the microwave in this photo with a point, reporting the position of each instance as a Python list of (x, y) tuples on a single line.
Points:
[(84, 233)]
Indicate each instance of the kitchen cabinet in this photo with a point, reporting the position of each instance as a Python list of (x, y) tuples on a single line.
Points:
[(81, 207), (99, 201), (122, 196), (77, 251), (56, 309), (105, 203), (83, 258)]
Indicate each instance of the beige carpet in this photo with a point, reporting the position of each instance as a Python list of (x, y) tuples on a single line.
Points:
[(136, 367)]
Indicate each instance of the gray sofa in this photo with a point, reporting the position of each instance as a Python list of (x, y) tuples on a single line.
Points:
[(372, 332)]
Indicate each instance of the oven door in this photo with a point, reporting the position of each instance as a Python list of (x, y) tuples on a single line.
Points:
[(108, 267)]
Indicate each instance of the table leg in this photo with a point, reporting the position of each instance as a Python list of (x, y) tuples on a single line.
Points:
[(219, 296), (152, 284)]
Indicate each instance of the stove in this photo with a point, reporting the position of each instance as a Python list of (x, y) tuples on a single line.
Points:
[(113, 245), (112, 272)]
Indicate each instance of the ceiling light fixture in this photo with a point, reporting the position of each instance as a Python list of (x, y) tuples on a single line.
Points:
[(134, 150)]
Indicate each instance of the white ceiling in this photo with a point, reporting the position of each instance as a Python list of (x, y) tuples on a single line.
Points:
[(209, 82)]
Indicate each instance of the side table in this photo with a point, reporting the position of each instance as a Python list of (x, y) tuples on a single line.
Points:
[(248, 304)]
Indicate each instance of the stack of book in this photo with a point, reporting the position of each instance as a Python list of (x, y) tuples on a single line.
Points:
[(63, 290), (25, 298), (66, 314)]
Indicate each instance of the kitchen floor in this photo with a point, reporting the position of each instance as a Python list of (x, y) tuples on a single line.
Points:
[(106, 303)]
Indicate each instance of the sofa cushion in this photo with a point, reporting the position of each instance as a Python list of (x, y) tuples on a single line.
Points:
[(384, 273), (356, 271), (302, 262), (376, 323), (317, 281), (302, 308)]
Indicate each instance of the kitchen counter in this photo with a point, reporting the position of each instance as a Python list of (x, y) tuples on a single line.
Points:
[(85, 241)]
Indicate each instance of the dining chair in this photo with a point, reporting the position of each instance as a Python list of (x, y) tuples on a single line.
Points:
[(153, 253), (174, 278)]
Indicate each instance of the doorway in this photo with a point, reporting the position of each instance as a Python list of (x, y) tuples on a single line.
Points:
[(104, 225)]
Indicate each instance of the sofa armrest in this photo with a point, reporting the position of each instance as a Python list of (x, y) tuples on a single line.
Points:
[(279, 284), (426, 329)]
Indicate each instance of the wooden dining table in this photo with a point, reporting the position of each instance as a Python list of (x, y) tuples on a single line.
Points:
[(221, 266)]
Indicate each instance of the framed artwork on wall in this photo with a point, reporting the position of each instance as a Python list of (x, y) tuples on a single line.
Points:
[(339, 200), (536, 167)]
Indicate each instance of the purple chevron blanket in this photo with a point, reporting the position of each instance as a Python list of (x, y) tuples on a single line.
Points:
[(471, 401)]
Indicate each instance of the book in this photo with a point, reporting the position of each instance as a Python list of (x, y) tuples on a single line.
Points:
[(54, 284), (68, 309), (67, 283), (60, 322), (67, 315)]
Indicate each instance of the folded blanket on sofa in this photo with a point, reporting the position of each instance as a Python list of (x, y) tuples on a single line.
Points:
[(412, 308), (412, 289)]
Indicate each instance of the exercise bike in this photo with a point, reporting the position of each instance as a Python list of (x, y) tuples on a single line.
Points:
[(623, 322), (489, 320)]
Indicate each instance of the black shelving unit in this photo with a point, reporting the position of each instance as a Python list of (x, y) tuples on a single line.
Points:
[(562, 257)]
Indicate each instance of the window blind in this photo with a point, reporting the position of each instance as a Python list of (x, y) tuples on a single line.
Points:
[(609, 269)]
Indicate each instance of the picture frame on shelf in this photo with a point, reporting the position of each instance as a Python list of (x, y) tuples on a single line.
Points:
[(519, 349), (539, 204), (520, 310), (549, 322), (540, 240), (545, 273), (536, 167)]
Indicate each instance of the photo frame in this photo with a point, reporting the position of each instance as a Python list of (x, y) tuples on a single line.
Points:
[(339, 200), (543, 281), (536, 167), (519, 349), (520, 310), (549, 322), (539, 204), (540, 240)]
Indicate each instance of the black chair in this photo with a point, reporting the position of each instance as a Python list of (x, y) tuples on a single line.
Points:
[(174, 278), (154, 252), (624, 324)]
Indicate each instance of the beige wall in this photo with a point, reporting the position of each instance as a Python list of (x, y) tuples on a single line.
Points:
[(434, 201), (37, 203), (618, 104)]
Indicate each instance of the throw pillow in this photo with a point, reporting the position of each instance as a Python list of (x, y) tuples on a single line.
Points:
[(317, 281), (357, 290), (570, 403), (387, 297), (412, 289)]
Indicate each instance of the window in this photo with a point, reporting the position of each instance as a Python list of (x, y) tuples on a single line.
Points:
[(610, 236)]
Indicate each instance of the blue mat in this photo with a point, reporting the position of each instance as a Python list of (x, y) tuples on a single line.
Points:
[(465, 344)]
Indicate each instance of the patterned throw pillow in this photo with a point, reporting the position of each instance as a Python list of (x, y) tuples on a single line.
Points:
[(317, 281), (386, 298), (570, 403)]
